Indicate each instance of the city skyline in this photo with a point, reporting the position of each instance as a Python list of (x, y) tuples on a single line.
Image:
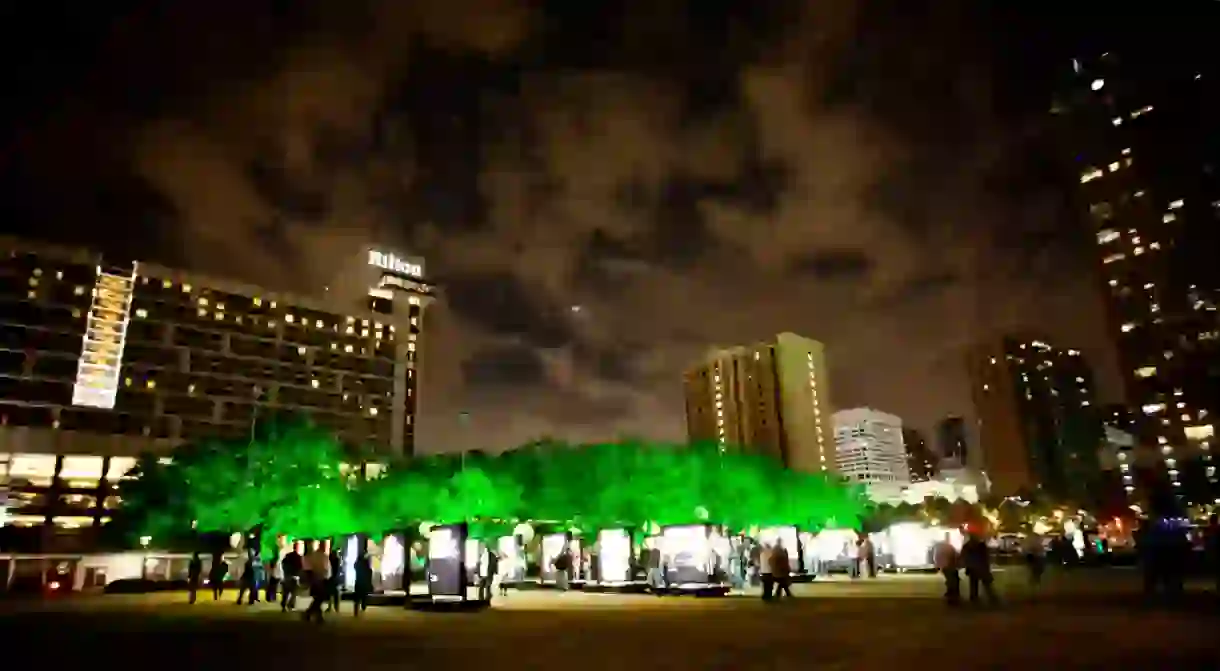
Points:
[(595, 220)]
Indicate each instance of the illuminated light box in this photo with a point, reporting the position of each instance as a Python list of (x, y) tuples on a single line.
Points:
[(787, 536), (686, 552), (447, 563), (614, 556), (512, 559), (395, 264), (350, 550), (393, 565)]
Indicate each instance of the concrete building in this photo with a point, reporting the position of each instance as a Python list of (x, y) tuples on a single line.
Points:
[(953, 443), (869, 449), (771, 397), (1039, 424), (922, 462), (104, 359)]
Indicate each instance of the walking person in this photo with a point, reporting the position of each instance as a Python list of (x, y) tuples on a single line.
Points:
[(945, 559), (656, 576), (853, 558), (505, 574), (491, 573), (194, 573), (1034, 549), (363, 585), (868, 556), (290, 576), (216, 576), (245, 581), (333, 582), (274, 576), (562, 564), (781, 570), (976, 558), (765, 572), (317, 565)]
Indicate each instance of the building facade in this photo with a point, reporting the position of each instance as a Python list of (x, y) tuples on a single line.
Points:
[(1039, 424), (772, 398), (869, 448), (102, 360), (921, 461), (1138, 125), (953, 442)]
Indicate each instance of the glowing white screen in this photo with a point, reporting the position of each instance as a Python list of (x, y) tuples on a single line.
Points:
[(442, 544), (349, 562), (474, 554), (685, 546), (614, 555), (393, 557), (785, 535)]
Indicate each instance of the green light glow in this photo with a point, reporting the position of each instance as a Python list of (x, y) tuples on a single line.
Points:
[(290, 481)]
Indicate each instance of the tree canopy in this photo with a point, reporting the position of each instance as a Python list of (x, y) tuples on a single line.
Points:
[(294, 480)]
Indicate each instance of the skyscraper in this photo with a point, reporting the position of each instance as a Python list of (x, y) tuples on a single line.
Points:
[(921, 461), (103, 359), (771, 397), (1138, 121), (952, 441), (1039, 425), (869, 450)]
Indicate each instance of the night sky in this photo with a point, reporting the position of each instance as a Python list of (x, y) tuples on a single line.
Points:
[(604, 189)]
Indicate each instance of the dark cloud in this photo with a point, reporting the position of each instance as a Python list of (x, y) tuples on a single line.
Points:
[(504, 367), (832, 264), (670, 168), (502, 305)]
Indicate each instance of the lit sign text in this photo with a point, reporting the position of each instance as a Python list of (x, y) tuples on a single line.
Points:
[(395, 264)]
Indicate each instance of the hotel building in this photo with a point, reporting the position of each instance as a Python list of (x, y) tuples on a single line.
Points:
[(771, 397), (104, 359)]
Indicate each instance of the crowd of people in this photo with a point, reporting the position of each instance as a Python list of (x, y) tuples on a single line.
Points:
[(316, 570)]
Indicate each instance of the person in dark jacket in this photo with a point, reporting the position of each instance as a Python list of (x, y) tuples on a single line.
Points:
[(194, 573), (976, 559), (335, 581), (290, 579), (363, 568), (216, 576), (249, 580)]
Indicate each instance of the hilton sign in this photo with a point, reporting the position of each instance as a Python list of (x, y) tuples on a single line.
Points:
[(395, 264)]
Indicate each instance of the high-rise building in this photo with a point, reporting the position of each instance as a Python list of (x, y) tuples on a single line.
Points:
[(772, 398), (869, 449), (1138, 124), (1039, 424), (921, 461), (953, 442), (103, 359)]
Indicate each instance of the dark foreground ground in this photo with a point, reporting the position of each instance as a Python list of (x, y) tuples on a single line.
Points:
[(1090, 620)]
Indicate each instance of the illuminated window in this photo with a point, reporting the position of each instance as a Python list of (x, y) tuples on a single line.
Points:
[(1141, 111), (1128, 327), (203, 301), (372, 412), (319, 324), (1153, 408), (1127, 152), (80, 471), (315, 383), (1145, 372), (289, 318), (186, 288), (1097, 84), (1200, 432), (257, 301), (152, 384), (1177, 204), (1114, 166), (119, 467), (1113, 257), (1107, 235), (1137, 251), (1090, 175), (301, 350), (141, 313), (1117, 121), (165, 284), (35, 469)]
